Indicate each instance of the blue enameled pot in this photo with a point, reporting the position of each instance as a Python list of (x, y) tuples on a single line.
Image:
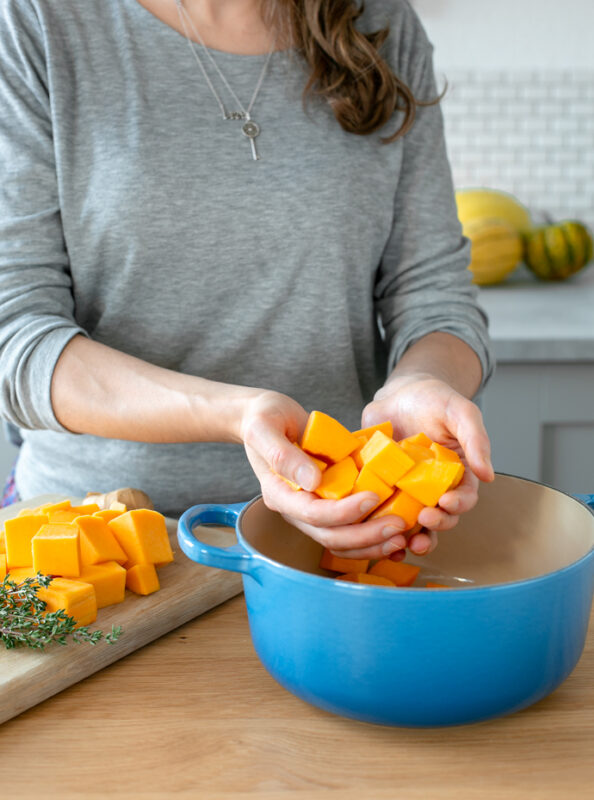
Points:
[(512, 629)]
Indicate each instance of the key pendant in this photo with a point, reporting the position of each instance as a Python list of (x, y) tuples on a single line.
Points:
[(251, 130)]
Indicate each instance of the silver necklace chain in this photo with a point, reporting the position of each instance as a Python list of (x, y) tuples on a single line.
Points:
[(250, 128)]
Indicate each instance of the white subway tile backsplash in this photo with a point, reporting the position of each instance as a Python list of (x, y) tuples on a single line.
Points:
[(530, 133)]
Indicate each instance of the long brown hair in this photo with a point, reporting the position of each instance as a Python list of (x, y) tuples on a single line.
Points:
[(346, 66)]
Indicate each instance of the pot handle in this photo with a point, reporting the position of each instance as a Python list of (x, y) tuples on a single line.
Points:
[(235, 558)]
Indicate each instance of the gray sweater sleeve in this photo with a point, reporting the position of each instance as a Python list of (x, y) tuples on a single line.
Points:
[(423, 282), (36, 303)]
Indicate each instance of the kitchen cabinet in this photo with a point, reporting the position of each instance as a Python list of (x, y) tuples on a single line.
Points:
[(539, 406)]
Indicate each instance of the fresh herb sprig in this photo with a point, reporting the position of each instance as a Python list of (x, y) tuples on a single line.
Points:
[(23, 622)]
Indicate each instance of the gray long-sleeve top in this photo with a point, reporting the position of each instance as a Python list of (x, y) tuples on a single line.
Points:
[(131, 212)]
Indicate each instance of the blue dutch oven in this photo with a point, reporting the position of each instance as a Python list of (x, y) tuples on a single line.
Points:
[(512, 629)]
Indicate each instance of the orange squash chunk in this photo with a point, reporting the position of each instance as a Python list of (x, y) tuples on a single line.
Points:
[(18, 534), (2, 566), (419, 439), (108, 580), (66, 515), (49, 507), (56, 550), (142, 579), (76, 598), (399, 572), (368, 481), (107, 514), (2, 542), (97, 542), (442, 453), (340, 564), (386, 458), (402, 505), (356, 454), (363, 577), (428, 480), (326, 438), (385, 427), (142, 535), (418, 452), (18, 574), (338, 480)]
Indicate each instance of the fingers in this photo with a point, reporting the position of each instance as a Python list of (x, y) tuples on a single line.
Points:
[(373, 539), (465, 421), (274, 452)]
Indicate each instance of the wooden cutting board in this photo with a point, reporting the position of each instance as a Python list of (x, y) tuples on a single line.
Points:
[(187, 590)]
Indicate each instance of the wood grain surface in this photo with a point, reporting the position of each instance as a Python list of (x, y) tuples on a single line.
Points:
[(187, 589), (195, 715)]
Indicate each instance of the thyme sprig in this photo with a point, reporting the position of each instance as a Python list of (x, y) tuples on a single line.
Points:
[(24, 623)]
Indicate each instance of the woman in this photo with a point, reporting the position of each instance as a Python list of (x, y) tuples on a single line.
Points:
[(191, 256)]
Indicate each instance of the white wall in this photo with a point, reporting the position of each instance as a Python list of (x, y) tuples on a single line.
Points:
[(510, 34)]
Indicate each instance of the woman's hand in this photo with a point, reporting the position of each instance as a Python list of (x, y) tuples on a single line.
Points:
[(270, 424), (424, 403)]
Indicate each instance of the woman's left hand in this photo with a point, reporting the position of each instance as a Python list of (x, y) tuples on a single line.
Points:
[(415, 403)]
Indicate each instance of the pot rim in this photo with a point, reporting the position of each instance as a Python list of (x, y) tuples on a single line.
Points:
[(300, 576)]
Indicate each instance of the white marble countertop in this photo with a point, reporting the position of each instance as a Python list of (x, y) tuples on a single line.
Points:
[(532, 320)]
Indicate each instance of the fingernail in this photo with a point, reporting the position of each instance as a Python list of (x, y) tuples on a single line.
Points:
[(389, 530), (367, 505), (398, 543), (305, 477)]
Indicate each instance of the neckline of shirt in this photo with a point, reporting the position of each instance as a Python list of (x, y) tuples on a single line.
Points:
[(149, 18)]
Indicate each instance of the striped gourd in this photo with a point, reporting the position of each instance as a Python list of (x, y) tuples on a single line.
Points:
[(555, 252), (496, 249)]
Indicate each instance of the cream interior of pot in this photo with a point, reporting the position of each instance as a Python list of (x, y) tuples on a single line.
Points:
[(518, 530)]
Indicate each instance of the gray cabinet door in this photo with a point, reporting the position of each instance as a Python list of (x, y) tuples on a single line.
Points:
[(540, 418)]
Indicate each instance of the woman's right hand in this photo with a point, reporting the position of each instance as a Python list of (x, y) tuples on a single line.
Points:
[(271, 423)]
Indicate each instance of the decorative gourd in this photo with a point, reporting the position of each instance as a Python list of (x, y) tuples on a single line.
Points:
[(481, 204), (557, 251), (496, 249)]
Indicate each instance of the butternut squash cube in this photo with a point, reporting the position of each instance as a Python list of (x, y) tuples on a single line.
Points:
[(76, 598), (108, 580), (18, 574), (339, 564), (418, 452), (18, 534), (97, 541), (428, 480), (418, 438), (56, 550), (142, 579), (326, 438), (107, 514), (65, 515), (385, 427), (2, 566), (402, 505), (398, 572), (142, 535), (49, 507), (433, 585), (2, 542), (368, 481), (338, 480), (386, 458), (356, 454), (363, 577), (442, 453)]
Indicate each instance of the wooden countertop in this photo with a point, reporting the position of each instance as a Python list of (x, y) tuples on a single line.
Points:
[(194, 714)]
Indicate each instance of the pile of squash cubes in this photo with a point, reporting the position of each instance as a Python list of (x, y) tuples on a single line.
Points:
[(406, 475), (92, 554)]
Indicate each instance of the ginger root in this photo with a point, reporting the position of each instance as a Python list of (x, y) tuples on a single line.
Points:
[(130, 498)]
